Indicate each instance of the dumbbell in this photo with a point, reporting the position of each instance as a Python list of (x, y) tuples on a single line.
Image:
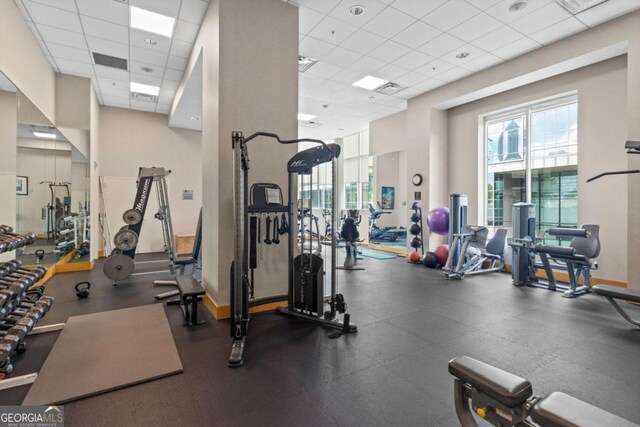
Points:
[(21, 274), (18, 239), (7, 230), (16, 265), (37, 309)]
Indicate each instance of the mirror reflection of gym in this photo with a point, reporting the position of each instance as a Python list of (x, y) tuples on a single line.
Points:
[(51, 188)]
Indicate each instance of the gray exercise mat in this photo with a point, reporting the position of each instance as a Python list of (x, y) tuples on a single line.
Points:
[(101, 352)]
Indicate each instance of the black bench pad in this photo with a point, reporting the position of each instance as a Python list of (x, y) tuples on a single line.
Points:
[(508, 389), (618, 293), (185, 260), (189, 285), (561, 410)]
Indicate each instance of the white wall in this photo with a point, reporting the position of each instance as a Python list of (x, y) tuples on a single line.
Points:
[(133, 139), (8, 141)]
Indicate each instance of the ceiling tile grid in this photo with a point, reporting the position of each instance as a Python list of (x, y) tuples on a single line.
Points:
[(69, 31)]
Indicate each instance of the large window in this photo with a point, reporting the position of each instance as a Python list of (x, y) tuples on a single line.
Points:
[(321, 192), (357, 171), (532, 156)]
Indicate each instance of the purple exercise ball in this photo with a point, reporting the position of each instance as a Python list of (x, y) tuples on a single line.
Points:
[(438, 221)]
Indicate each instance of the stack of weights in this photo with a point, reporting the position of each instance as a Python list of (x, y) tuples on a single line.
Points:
[(415, 230)]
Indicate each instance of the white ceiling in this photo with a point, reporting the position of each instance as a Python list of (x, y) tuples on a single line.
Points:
[(69, 30), (415, 43), (410, 42)]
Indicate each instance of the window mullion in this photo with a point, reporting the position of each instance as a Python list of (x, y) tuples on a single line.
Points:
[(527, 155)]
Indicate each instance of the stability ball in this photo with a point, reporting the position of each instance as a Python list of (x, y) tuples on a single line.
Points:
[(438, 221), (430, 260), (442, 252), (414, 257)]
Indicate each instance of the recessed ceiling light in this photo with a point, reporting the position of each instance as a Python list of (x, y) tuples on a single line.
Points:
[(151, 22), (577, 6), (518, 5), (146, 89), (194, 118), (305, 117), (370, 82), (150, 42), (462, 55), (44, 134), (356, 10)]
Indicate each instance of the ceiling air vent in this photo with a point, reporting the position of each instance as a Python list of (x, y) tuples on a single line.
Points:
[(311, 124), (144, 97), (305, 63), (389, 88), (109, 61), (577, 6)]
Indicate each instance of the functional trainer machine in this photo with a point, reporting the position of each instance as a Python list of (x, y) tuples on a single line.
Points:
[(306, 299), (504, 399), (120, 265), (576, 259)]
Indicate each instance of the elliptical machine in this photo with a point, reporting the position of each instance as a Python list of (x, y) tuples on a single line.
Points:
[(351, 236)]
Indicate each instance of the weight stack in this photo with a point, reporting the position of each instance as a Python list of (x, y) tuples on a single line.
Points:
[(309, 284)]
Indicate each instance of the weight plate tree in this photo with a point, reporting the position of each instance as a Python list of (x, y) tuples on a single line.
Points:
[(120, 264)]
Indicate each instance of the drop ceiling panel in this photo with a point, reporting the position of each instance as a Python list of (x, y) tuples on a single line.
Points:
[(105, 30), (146, 79), (307, 19), (324, 6), (167, 8), (484, 61), (501, 11), (441, 45), (475, 27), (148, 56), (314, 48), (332, 30), (42, 14), (347, 76), (434, 68), (62, 37), (143, 105), (341, 57), (323, 69), (450, 14), (66, 52), (410, 79), (516, 48), (413, 59), (541, 18), (180, 48), (193, 11), (472, 51), (416, 34), (177, 63), (111, 73), (498, 38), (363, 41), (417, 8), (367, 65), (107, 10), (79, 68), (388, 23), (171, 74), (116, 102), (558, 31), (389, 51), (186, 31), (390, 72), (68, 5)]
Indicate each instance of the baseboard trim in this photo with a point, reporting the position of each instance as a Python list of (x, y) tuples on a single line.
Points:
[(564, 277), (382, 248), (224, 311)]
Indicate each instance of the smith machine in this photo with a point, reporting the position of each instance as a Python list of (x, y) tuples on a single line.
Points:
[(306, 296)]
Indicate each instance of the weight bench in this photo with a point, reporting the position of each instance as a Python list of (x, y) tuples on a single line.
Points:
[(191, 292), (504, 399), (612, 293)]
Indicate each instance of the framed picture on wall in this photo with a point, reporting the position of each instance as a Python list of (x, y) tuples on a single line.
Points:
[(22, 185), (388, 197)]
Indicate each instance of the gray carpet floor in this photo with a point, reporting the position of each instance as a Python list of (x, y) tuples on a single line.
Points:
[(392, 372)]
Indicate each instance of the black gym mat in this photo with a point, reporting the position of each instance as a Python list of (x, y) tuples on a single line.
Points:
[(101, 352)]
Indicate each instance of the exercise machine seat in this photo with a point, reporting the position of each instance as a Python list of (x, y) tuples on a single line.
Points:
[(561, 410), (496, 244), (625, 294), (588, 246), (349, 231), (508, 389)]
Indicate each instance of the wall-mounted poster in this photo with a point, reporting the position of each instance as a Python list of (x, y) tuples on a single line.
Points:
[(22, 185), (388, 197)]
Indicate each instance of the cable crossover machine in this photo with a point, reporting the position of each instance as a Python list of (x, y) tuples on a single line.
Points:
[(306, 291)]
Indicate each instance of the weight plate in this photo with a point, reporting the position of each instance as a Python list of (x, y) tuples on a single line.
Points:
[(118, 267), (125, 240), (124, 227), (132, 216)]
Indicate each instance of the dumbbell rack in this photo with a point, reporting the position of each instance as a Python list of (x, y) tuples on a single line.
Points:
[(20, 307)]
